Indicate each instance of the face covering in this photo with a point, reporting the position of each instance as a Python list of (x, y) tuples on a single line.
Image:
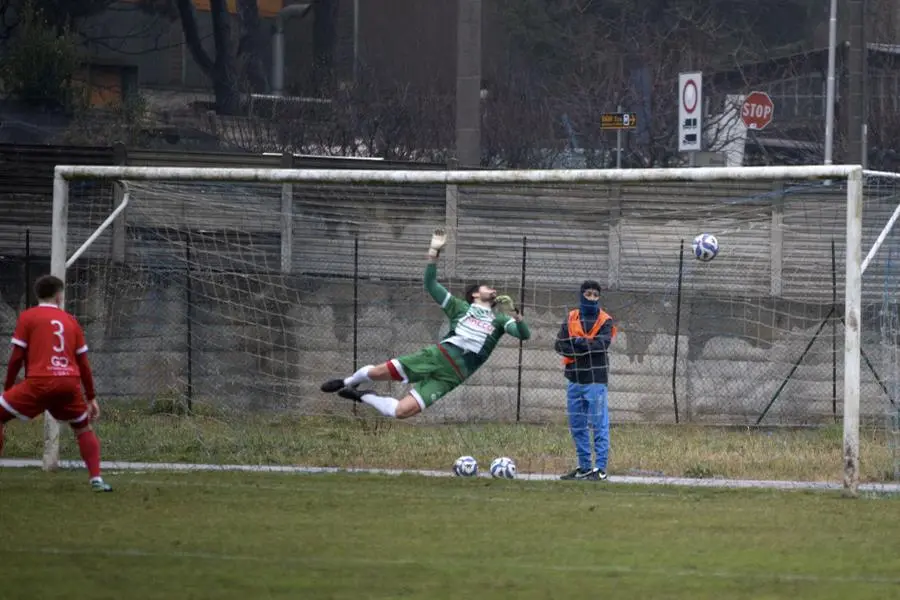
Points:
[(589, 308)]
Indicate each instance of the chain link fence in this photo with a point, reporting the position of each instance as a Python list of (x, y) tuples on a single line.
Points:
[(214, 296), (248, 296)]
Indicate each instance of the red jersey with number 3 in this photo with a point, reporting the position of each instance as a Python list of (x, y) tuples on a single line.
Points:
[(52, 338)]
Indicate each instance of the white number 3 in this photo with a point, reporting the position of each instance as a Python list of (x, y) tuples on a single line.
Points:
[(59, 330)]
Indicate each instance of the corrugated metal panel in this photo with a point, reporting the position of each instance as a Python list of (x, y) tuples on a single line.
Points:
[(26, 191), (240, 224), (161, 158), (393, 222), (657, 217), (394, 225), (338, 162), (567, 231), (29, 169), (226, 226), (205, 205), (210, 251), (812, 220)]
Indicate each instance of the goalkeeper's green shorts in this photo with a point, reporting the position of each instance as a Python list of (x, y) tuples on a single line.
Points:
[(431, 370)]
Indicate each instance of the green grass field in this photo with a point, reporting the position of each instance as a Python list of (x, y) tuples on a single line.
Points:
[(232, 535), (142, 435)]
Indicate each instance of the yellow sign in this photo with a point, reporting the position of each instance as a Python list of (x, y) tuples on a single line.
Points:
[(618, 120)]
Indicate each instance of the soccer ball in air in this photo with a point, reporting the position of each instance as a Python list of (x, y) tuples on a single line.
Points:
[(503, 468), (465, 466), (705, 246)]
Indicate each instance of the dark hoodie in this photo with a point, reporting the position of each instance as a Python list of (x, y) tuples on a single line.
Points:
[(591, 365)]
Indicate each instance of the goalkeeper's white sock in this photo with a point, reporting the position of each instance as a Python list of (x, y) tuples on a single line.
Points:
[(361, 376), (383, 404)]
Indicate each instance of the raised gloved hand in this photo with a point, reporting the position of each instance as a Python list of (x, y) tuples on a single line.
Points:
[(505, 304), (438, 241)]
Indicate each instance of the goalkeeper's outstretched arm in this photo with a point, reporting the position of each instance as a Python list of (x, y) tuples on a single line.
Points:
[(518, 328), (435, 289), (510, 319), (438, 292)]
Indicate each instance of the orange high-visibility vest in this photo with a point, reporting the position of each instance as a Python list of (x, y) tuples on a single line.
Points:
[(577, 330)]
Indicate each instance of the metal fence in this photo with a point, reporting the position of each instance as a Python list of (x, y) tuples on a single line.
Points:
[(264, 340), (232, 315), (215, 294)]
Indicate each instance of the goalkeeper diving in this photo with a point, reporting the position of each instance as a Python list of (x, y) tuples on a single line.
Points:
[(476, 325)]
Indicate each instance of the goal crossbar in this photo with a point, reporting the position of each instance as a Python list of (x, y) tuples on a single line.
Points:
[(853, 174), (71, 172)]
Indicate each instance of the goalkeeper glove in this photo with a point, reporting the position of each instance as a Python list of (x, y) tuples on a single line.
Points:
[(505, 304), (438, 240)]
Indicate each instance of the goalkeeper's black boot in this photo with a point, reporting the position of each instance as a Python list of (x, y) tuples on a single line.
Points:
[(351, 393), (332, 385)]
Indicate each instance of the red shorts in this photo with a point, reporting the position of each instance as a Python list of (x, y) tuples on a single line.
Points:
[(60, 396)]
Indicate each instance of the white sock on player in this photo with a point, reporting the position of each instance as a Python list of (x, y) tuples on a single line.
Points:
[(361, 376), (383, 404)]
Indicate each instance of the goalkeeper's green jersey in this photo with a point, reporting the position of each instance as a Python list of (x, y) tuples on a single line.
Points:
[(474, 330)]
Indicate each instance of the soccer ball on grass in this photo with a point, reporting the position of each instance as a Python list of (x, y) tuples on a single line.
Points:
[(465, 466), (503, 468)]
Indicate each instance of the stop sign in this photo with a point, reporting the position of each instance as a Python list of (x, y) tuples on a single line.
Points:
[(757, 110)]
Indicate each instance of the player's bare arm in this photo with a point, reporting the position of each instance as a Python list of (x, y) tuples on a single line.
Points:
[(16, 361), (87, 383)]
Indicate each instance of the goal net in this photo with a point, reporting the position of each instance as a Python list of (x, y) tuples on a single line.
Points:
[(216, 302)]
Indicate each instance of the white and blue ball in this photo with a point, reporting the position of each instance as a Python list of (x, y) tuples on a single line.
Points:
[(465, 466), (503, 468), (705, 246)]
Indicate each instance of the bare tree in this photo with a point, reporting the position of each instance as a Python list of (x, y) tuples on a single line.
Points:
[(324, 44), (580, 58), (248, 49), (221, 67), (232, 67)]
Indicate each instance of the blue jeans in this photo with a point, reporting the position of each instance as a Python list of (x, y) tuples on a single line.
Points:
[(588, 407)]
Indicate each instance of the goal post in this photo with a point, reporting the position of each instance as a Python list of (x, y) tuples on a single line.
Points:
[(852, 175), (852, 329), (58, 253)]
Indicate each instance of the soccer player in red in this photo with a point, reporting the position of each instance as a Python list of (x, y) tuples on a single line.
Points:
[(50, 343)]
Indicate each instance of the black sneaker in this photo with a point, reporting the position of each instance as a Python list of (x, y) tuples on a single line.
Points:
[(597, 475), (351, 393), (332, 385), (577, 473)]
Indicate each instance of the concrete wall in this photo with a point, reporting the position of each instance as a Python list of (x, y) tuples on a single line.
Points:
[(266, 341)]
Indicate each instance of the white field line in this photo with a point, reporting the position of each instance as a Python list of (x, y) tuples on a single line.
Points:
[(880, 488), (505, 565)]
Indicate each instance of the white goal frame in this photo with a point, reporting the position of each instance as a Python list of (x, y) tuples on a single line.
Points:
[(853, 174)]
